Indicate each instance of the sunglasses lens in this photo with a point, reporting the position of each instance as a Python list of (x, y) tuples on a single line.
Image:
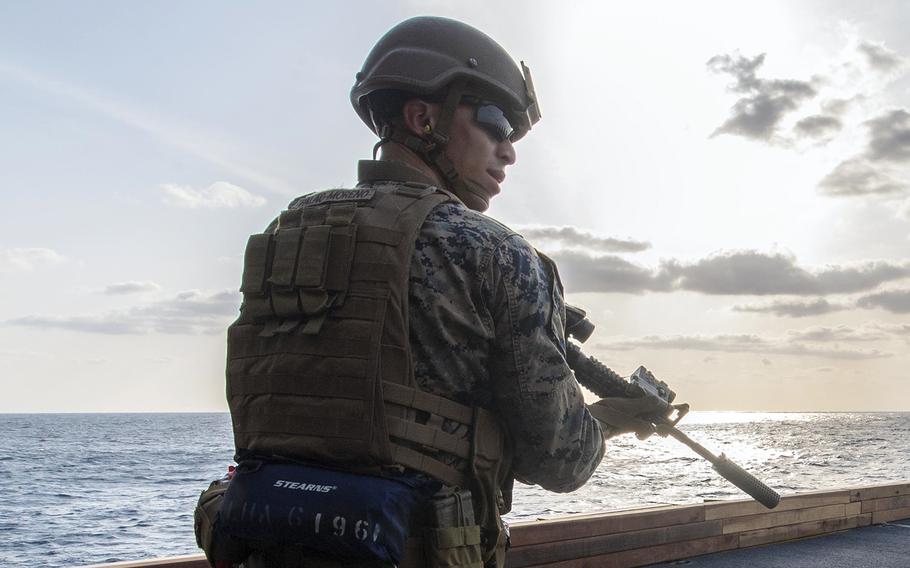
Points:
[(494, 121)]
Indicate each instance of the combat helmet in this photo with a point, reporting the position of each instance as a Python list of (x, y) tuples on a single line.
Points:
[(444, 60), (424, 55)]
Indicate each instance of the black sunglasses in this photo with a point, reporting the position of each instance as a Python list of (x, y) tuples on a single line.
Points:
[(491, 118)]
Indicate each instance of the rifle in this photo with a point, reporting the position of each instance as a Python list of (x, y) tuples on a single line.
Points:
[(605, 383)]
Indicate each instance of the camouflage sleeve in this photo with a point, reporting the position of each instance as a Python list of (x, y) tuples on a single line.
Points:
[(558, 444)]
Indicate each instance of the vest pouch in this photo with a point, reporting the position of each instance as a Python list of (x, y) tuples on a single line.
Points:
[(334, 512), (453, 538), (218, 550), (491, 470)]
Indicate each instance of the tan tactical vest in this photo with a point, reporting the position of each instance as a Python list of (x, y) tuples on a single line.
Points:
[(319, 365)]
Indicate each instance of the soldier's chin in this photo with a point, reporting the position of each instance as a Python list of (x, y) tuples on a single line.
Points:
[(475, 196)]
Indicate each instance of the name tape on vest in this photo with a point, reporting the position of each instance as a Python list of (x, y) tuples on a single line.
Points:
[(332, 196)]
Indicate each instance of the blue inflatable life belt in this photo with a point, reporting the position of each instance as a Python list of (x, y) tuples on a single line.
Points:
[(334, 512)]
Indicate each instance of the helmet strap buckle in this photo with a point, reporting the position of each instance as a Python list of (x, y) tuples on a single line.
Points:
[(385, 134), (438, 139)]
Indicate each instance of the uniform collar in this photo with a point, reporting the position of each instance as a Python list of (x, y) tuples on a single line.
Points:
[(386, 170)]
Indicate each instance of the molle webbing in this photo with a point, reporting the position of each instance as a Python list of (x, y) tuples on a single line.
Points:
[(319, 364)]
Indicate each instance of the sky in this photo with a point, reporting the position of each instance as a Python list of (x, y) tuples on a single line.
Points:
[(725, 186)]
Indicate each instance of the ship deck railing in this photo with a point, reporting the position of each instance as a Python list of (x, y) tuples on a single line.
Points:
[(677, 533)]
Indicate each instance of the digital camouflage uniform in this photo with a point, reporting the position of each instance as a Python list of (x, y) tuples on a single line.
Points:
[(487, 329)]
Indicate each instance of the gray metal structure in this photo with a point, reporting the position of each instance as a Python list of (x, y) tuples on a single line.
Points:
[(877, 546)]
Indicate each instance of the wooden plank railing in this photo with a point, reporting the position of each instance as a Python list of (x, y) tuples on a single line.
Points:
[(637, 537), (626, 539), (189, 561)]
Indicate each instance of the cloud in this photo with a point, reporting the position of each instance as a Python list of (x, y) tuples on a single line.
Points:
[(188, 313), (864, 70), (818, 126), (131, 287), (856, 176), (894, 301), (889, 137), (742, 343), (792, 308), (727, 273), (879, 57), (841, 333), (764, 104), (839, 106), (871, 172), (896, 329), (220, 194), (741, 68), (28, 259), (756, 273), (584, 273), (571, 237)]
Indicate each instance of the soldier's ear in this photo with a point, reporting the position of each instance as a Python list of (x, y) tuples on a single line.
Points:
[(420, 116)]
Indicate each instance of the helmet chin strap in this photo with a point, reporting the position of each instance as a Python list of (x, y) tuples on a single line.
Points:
[(432, 149)]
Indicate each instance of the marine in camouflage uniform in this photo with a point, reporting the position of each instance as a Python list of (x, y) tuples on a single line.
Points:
[(485, 311)]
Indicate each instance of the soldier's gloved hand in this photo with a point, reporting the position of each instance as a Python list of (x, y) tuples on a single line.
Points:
[(623, 415)]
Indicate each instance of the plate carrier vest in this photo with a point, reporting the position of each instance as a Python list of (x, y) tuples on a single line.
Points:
[(319, 366)]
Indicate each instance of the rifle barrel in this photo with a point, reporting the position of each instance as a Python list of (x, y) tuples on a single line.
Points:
[(696, 447), (729, 470)]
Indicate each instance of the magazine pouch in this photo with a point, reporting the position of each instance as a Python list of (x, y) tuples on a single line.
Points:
[(335, 512), (452, 538)]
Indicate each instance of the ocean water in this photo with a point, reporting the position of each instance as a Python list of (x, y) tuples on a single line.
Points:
[(79, 489)]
